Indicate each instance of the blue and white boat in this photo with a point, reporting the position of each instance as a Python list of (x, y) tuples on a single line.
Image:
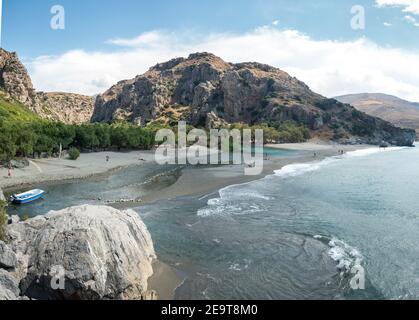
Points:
[(27, 197)]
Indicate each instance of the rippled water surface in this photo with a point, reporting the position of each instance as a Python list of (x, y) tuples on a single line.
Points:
[(285, 235), (295, 234), (127, 185)]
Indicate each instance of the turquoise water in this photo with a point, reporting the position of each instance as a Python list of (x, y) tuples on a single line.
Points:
[(292, 235), (129, 184), (275, 152), (275, 238)]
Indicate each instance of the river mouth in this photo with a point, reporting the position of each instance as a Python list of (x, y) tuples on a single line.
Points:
[(295, 234), (122, 188)]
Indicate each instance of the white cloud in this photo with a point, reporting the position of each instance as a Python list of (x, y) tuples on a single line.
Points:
[(146, 39), (387, 24), (412, 20), (329, 67), (409, 6), (275, 23)]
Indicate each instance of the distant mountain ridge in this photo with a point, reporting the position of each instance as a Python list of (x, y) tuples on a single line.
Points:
[(65, 107), (204, 90), (399, 112)]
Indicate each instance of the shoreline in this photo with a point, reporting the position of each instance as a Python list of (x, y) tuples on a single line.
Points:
[(89, 165), (193, 181), (93, 165), (202, 181), (164, 280)]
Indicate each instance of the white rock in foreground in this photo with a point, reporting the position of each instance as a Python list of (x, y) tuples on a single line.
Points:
[(2, 197), (106, 254)]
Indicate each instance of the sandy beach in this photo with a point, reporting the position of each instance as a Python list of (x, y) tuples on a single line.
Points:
[(88, 165), (193, 181), (94, 164)]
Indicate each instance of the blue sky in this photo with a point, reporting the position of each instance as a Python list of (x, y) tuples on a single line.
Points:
[(105, 41), (89, 23)]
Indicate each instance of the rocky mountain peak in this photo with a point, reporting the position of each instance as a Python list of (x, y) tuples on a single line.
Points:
[(16, 83), (14, 78), (193, 61), (204, 90)]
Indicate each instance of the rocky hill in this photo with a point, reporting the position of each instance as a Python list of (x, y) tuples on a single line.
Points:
[(206, 91), (399, 112), (65, 107), (14, 79)]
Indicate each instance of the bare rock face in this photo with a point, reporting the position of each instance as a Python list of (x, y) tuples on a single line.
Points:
[(98, 252), (8, 258), (215, 122), (9, 286), (14, 78), (69, 108), (206, 91), (16, 83)]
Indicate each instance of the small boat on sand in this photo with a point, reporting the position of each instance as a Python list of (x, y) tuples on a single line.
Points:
[(27, 197)]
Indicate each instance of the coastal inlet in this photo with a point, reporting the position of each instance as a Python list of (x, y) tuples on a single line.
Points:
[(294, 234)]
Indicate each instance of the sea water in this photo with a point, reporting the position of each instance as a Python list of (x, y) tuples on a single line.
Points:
[(297, 233)]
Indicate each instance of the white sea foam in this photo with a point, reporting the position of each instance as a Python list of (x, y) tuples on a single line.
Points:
[(230, 202), (240, 267), (370, 151), (297, 169), (346, 256), (231, 197)]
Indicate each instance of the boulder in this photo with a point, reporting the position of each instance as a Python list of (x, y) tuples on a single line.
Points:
[(14, 219), (97, 252), (19, 164), (8, 258), (6, 294), (9, 286)]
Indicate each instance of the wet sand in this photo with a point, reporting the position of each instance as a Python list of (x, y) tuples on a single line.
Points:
[(201, 181), (194, 181), (164, 281)]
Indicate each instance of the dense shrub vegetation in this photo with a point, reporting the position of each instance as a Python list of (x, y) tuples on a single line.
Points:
[(23, 134), (286, 132), (74, 153), (22, 139)]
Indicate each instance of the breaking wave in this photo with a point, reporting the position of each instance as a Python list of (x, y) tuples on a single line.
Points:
[(345, 256), (296, 169), (234, 200)]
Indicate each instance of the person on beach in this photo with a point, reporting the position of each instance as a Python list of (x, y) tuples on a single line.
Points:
[(9, 171), (107, 158)]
